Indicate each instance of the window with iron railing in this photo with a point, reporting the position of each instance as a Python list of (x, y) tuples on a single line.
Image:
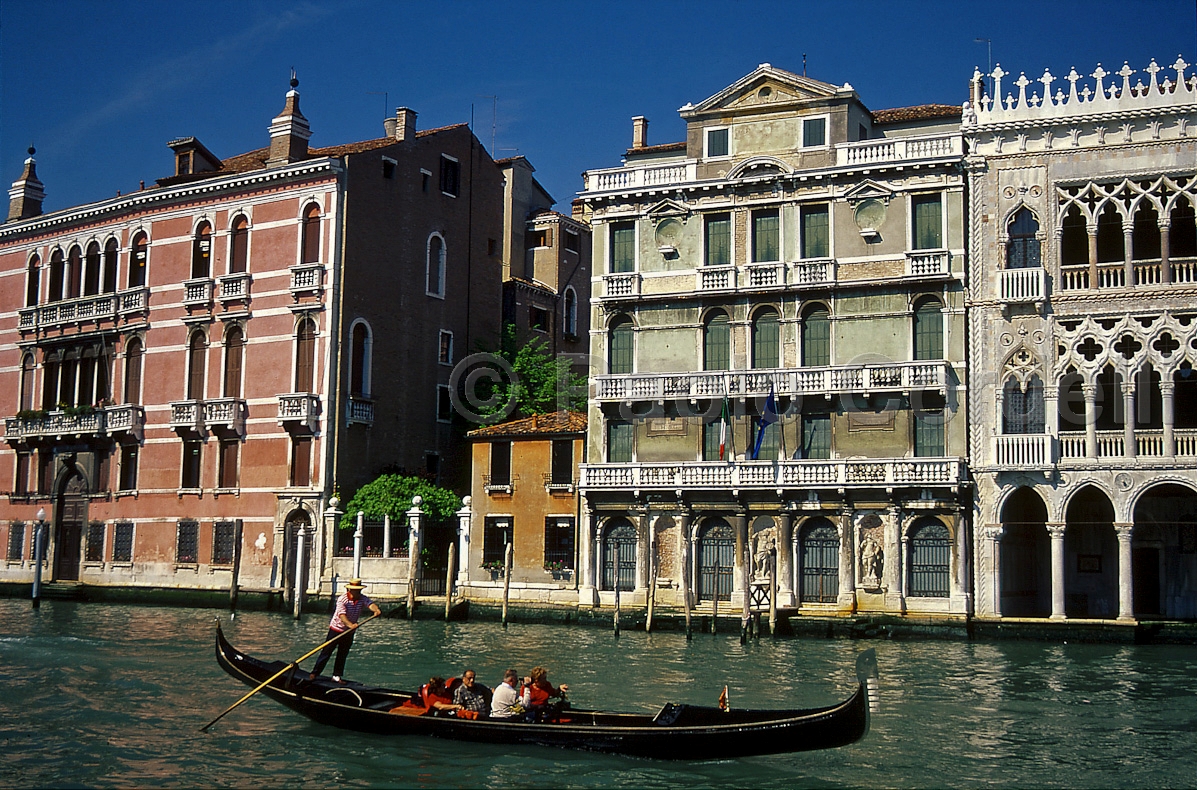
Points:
[(187, 542)]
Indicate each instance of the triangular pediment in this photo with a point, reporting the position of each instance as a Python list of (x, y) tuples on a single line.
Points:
[(765, 87), (868, 189), (668, 208)]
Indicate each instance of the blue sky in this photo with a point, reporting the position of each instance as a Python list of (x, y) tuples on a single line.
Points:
[(100, 87)]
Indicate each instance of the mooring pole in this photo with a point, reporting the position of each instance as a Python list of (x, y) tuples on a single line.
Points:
[(615, 617), (746, 573), (449, 580), (773, 591), (506, 581), (686, 597), (38, 555), (652, 593), (715, 595), (238, 531), (358, 536), (300, 585)]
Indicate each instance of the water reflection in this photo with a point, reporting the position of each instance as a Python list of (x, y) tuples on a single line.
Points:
[(113, 696)]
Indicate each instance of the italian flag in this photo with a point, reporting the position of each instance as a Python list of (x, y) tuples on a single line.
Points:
[(724, 429)]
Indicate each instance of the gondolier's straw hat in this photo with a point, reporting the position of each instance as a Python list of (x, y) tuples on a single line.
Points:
[(355, 584)]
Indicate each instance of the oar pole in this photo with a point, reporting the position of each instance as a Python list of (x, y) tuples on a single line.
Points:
[(284, 670)]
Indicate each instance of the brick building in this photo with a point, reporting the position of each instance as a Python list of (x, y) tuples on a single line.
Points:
[(218, 352)]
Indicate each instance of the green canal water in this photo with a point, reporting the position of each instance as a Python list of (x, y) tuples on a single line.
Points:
[(113, 696)]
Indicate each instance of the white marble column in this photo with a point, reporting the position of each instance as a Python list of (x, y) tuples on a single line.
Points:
[(847, 594), (896, 547), (739, 524), (1128, 245), (1056, 533), (465, 518), (1090, 393), (785, 559), (1167, 409), (686, 583), (1165, 240), (993, 534), (1126, 590), (587, 592), (1129, 449)]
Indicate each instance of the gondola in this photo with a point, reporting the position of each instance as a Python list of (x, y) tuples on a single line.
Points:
[(675, 732)]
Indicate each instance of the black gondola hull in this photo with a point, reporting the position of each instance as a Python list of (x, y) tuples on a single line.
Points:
[(695, 733)]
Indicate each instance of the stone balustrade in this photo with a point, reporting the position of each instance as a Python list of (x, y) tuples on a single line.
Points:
[(834, 379), (1149, 444), (773, 474), (301, 407), (198, 292), (1024, 451), (895, 150), (1022, 285)]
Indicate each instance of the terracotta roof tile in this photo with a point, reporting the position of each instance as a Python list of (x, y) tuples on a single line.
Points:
[(553, 424), (921, 112), (663, 148)]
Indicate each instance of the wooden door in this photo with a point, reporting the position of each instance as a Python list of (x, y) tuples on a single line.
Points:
[(72, 516)]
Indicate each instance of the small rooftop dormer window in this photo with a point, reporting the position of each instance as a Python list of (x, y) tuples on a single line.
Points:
[(718, 142)]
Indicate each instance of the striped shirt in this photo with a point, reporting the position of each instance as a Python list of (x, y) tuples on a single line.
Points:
[(351, 609)]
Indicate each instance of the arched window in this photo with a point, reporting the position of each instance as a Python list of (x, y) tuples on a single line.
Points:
[(305, 355), (134, 354), (201, 252), (197, 349), (1022, 248), (716, 561), (57, 277), (1108, 400), (619, 555), (816, 336), (930, 560), (359, 362), (234, 361), (1070, 402), (33, 282), (111, 260), (239, 246), (1022, 409), (91, 270), (1145, 241), (1110, 247), (819, 562), (27, 373), (74, 273), (1182, 235), (766, 339), (137, 261), (436, 266), (571, 312), (928, 329), (1074, 238), (716, 342), (51, 368), (310, 235), (619, 346)]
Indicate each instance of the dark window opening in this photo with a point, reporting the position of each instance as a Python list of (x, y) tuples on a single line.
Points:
[(201, 253), (496, 536), (122, 542), (301, 461), (538, 319), (192, 453), (224, 537), (562, 462), (500, 464), (187, 543), (128, 470), (94, 552), (450, 176), (230, 450), (558, 543)]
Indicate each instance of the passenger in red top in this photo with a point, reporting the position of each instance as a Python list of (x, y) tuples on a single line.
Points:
[(541, 691), (436, 697)]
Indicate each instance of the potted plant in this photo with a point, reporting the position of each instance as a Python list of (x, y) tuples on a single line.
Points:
[(559, 569), (495, 567)]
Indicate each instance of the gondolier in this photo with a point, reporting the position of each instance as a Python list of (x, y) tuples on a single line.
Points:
[(345, 617)]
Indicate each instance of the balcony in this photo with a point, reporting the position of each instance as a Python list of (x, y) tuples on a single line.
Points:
[(306, 278), (716, 278), (133, 301), (225, 414), (901, 377), (233, 287), (299, 407), (621, 286), (899, 150), (1150, 446), (832, 474), (54, 425), (1147, 273), (1016, 286), (198, 292), (820, 271), (187, 415), (360, 410), (928, 263), (1024, 451), (618, 179), (128, 419)]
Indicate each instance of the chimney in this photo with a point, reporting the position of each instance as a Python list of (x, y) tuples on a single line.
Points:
[(27, 193), (403, 126), (289, 131), (639, 131)]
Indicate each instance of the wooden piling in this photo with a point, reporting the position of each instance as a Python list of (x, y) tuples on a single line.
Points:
[(652, 594), (506, 581), (238, 529), (449, 580)]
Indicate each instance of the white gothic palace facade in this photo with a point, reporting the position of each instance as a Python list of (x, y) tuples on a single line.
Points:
[(1083, 335)]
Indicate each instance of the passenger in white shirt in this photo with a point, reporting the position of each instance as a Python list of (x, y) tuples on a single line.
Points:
[(507, 702)]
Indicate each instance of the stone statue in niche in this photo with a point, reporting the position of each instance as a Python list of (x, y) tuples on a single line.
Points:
[(762, 544), (872, 563)]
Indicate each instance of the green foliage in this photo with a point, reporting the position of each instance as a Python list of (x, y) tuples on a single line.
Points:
[(542, 383), (391, 495), (32, 414)]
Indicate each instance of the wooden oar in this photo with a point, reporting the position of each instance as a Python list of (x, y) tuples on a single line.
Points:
[(292, 665)]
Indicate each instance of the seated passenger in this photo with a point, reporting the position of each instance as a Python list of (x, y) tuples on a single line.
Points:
[(436, 697), (540, 691), (507, 703), (473, 697)]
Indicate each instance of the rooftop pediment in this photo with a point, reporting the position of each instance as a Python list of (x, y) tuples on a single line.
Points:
[(766, 86)]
